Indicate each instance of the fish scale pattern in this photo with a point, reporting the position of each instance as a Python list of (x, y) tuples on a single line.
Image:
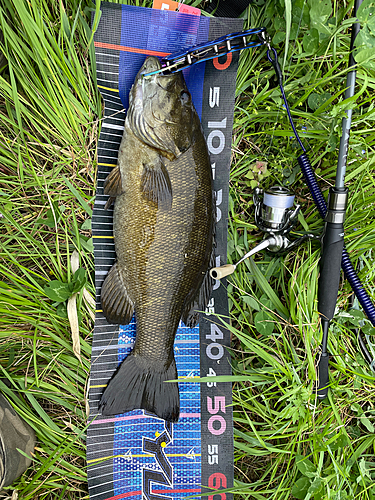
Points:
[(160, 274)]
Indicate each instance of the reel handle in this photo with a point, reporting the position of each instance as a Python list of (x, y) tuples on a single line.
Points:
[(220, 272)]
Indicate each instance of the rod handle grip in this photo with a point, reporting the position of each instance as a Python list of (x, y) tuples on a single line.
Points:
[(220, 272), (330, 267)]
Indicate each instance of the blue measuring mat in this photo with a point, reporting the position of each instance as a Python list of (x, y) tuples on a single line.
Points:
[(136, 454)]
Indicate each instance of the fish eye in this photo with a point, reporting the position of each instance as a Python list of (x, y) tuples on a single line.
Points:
[(185, 97)]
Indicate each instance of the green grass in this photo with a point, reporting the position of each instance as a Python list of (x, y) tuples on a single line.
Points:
[(326, 450), (50, 110)]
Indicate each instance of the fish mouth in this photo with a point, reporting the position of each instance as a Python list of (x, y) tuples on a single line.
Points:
[(165, 82), (151, 64)]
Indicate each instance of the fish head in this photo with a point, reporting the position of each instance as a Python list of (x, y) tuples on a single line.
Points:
[(161, 112)]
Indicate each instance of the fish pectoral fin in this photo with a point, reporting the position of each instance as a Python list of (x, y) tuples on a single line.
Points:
[(190, 314), (117, 306), (156, 185), (113, 186)]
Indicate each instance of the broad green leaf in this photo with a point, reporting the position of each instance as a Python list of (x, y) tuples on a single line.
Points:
[(86, 226), (58, 291), (263, 323), (305, 466), (320, 11), (365, 56), (366, 12), (356, 316), (300, 488), (316, 485), (365, 469), (338, 442), (278, 37), (251, 302), (79, 280), (365, 39), (87, 243), (311, 41), (315, 100), (368, 424), (61, 310), (368, 329)]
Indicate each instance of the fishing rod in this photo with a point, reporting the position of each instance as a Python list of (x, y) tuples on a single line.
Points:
[(333, 245), (333, 234), (334, 254)]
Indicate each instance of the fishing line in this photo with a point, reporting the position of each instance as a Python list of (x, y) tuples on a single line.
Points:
[(279, 75), (282, 88)]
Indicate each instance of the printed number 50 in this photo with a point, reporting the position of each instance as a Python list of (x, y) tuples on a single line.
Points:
[(219, 405)]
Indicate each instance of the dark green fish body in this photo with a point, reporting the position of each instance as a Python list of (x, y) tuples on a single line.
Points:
[(163, 229)]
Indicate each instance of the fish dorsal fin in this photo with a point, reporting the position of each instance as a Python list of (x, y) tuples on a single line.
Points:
[(156, 185), (117, 306), (113, 186)]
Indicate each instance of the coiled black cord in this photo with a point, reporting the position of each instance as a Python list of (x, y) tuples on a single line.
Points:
[(310, 179)]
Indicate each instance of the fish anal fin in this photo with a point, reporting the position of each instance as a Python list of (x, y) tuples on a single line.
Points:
[(156, 185), (117, 306), (113, 186), (190, 314)]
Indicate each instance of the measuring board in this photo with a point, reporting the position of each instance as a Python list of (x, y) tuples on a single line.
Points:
[(136, 454)]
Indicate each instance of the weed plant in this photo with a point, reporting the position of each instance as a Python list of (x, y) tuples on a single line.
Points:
[(287, 445)]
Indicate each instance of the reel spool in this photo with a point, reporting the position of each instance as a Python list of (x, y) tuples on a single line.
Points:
[(274, 213)]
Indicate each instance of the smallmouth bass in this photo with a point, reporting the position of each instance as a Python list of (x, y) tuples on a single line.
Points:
[(163, 225)]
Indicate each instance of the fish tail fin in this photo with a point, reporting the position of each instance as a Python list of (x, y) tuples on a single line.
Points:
[(139, 384)]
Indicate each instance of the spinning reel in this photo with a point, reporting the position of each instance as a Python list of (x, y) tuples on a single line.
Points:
[(275, 215)]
